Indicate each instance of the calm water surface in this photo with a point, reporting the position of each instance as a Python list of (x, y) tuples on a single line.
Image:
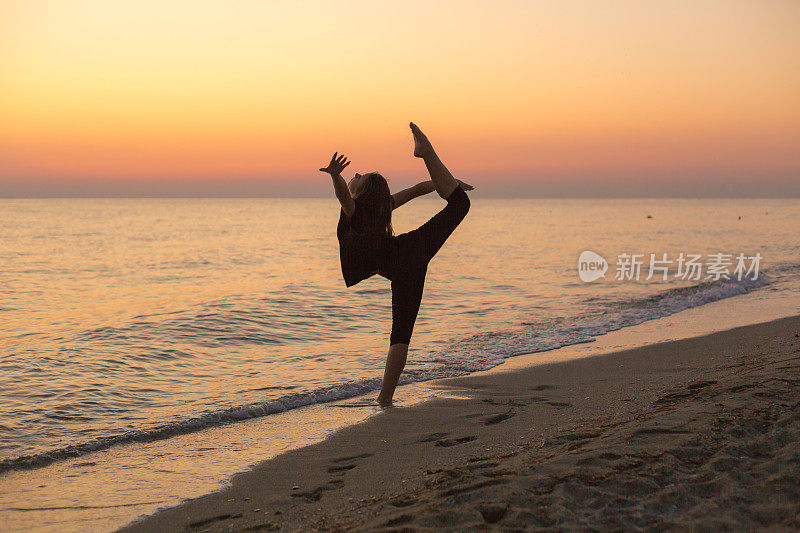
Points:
[(138, 319)]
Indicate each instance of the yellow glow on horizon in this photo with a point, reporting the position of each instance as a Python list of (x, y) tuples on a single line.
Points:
[(257, 88)]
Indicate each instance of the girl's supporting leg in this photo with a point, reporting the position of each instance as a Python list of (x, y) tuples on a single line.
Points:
[(406, 299), (395, 362), (444, 182)]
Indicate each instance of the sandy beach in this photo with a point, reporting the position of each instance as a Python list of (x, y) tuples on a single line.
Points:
[(698, 433)]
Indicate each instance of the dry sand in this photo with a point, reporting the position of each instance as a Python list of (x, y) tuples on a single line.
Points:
[(699, 434)]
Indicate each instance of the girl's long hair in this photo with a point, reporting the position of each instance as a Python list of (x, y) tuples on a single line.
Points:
[(373, 206)]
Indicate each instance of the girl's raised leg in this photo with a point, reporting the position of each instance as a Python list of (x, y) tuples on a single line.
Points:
[(444, 182)]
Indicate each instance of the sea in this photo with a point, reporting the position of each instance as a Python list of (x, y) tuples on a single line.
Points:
[(150, 348)]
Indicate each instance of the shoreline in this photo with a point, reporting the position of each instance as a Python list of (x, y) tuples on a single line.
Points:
[(456, 463)]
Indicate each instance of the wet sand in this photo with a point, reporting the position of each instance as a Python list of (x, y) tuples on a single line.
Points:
[(701, 433)]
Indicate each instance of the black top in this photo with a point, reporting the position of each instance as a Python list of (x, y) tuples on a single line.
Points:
[(359, 253)]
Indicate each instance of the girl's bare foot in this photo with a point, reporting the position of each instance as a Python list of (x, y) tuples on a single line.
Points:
[(422, 145), (384, 404)]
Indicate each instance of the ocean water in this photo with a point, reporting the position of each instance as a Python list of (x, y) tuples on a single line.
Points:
[(139, 320)]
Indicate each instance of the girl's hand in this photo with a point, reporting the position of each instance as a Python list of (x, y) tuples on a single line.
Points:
[(465, 186), (336, 166)]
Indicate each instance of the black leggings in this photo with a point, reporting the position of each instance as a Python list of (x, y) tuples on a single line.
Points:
[(408, 263)]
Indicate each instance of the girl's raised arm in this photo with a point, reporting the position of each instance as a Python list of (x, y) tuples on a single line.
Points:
[(406, 195), (420, 189), (335, 168)]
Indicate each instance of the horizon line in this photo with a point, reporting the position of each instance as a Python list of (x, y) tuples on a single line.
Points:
[(490, 196)]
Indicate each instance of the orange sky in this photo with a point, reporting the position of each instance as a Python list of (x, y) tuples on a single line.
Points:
[(251, 96)]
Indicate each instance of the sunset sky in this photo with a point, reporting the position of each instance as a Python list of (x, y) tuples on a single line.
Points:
[(250, 97)]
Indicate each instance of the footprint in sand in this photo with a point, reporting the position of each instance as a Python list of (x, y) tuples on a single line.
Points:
[(342, 468), (481, 463), (692, 390), (208, 521), (512, 403), (599, 460), (471, 487), (574, 437), (446, 443), (646, 432), (500, 417), (404, 518), (498, 472), (700, 384), (433, 437), (269, 526), (351, 458), (402, 502), (314, 495), (492, 513)]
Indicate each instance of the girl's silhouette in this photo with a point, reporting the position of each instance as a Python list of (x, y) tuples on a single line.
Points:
[(368, 246)]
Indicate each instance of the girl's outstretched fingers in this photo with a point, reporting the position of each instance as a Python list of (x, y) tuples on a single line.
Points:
[(337, 164)]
